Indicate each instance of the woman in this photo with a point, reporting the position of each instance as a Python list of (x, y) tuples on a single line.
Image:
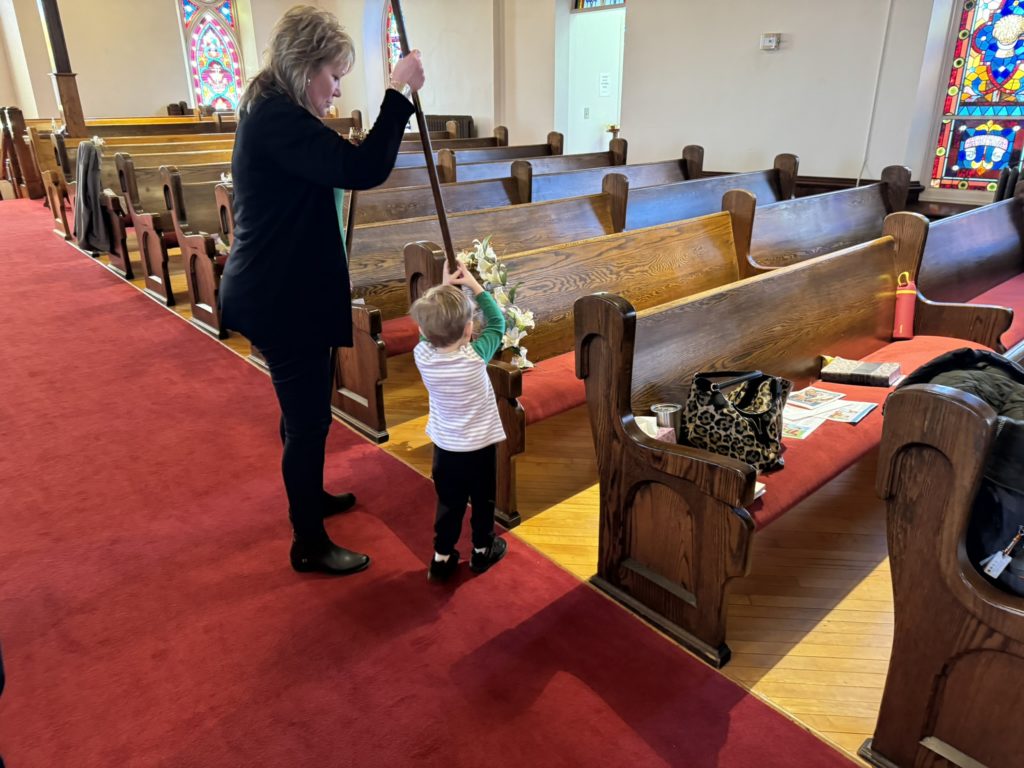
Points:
[(286, 285)]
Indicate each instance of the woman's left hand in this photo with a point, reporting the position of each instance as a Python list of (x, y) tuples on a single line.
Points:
[(409, 70)]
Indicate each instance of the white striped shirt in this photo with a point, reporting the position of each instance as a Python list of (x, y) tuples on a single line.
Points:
[(463, 412)]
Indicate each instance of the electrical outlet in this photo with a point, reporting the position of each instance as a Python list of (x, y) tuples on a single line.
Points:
[(586, 113), (770, 41)]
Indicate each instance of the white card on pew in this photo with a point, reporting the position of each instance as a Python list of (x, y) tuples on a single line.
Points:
[(792, 413), (812, 397), (758, 489), (798, 430), (359, 302), (851, 412)]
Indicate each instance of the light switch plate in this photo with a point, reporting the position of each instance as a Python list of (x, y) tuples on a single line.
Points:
[(770, 41)]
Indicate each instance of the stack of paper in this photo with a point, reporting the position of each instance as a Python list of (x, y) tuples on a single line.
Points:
[(809, 408)]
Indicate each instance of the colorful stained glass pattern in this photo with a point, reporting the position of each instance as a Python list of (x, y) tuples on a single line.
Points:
[(983, 110), (392, 42), (188, 10), (214, 63)]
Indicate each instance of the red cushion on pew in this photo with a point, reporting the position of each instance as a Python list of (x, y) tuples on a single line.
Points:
[(1008, 294), (551, 387), (834, 446), (400, 334)]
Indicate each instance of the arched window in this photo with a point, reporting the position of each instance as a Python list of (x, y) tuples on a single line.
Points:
[(983, 110), (392, 44), (214, 58)]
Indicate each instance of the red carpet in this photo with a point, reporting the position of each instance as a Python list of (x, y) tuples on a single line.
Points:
[(148, 616)]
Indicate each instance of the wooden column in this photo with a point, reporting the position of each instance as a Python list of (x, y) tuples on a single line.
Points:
[(65, 84)]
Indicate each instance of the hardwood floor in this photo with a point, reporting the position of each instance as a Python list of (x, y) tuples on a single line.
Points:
[(810, 627)]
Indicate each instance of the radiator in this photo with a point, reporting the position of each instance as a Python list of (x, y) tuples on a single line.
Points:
[(439, 123)]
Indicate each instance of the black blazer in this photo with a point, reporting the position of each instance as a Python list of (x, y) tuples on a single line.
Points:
[(286, 279)]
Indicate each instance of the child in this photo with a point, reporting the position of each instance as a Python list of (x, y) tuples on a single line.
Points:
[(463, 422)]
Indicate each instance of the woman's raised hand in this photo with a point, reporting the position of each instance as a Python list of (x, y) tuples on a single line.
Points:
[(409, 70)]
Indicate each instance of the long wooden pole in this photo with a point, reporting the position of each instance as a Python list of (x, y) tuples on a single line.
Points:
[(435, 184)]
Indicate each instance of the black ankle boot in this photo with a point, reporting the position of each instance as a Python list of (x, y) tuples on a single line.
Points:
[(336, 504), (324, 556)]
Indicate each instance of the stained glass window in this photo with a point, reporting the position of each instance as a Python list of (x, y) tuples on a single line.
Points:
[(392, 43), (214, 59), (983, 110)]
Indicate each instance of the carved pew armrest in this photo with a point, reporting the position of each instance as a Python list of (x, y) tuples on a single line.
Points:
[(980, 323), (724, 479)]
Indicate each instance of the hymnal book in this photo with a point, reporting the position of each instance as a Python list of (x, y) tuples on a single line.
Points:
[(842, 371)]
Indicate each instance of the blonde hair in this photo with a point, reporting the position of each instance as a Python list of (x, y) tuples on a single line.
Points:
[(303, 40), (442, 313)]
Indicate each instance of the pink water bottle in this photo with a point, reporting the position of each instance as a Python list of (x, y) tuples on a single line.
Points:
[(906, 298)]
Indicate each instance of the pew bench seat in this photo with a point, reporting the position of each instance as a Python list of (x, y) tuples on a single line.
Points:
[(551, 387), (834, 446), (400, 335), (1009, 293)]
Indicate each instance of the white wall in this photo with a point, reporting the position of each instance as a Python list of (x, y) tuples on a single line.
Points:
[(8, 91), (456, 40), (28, 58), (138, 74), (525, 68), (694, 74)]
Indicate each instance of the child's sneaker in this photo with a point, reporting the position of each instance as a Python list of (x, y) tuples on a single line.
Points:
[(481, 561), (442, 570)]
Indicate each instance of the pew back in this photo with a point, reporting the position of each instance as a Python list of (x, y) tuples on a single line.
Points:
[(839, 304), (969, 253), (795, 230), (650, 205), (410, 202), (651, 266)]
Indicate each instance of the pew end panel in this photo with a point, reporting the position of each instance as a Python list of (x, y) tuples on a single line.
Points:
[(787, 168), (193, 224), (896, 183), (982, 323), (556, 142), (693, 161), (673, 529), (118, 222), (507, 381), (224, 195), (957, 639), (501, 135), (424, 268), (357, 397), (57, 198)]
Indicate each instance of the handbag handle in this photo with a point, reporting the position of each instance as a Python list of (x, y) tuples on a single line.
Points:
[(738, 377)]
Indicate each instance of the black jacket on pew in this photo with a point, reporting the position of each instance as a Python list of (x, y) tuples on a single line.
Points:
[(287, 278)]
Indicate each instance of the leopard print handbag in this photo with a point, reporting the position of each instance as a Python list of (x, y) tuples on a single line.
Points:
[(743, 423)]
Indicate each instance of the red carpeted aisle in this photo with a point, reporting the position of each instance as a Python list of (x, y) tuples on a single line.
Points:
[(148, 616)]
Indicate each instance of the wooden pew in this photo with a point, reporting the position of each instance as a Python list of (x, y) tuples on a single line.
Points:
[(26, 172), (976, 257), (499, 139), (795, 230), (151, 217), (378, 205), (952, 691), (677, 522), (196, 220), (444, 156), (449, 173)]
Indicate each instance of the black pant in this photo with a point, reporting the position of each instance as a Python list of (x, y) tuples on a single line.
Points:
[(302, 377), (458, 478)]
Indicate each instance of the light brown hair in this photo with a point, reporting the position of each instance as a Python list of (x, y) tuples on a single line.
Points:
[(303, 40), (442, 313)]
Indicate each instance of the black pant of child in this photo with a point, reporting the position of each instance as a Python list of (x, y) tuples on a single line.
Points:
[(302, 377), (460, 477)]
